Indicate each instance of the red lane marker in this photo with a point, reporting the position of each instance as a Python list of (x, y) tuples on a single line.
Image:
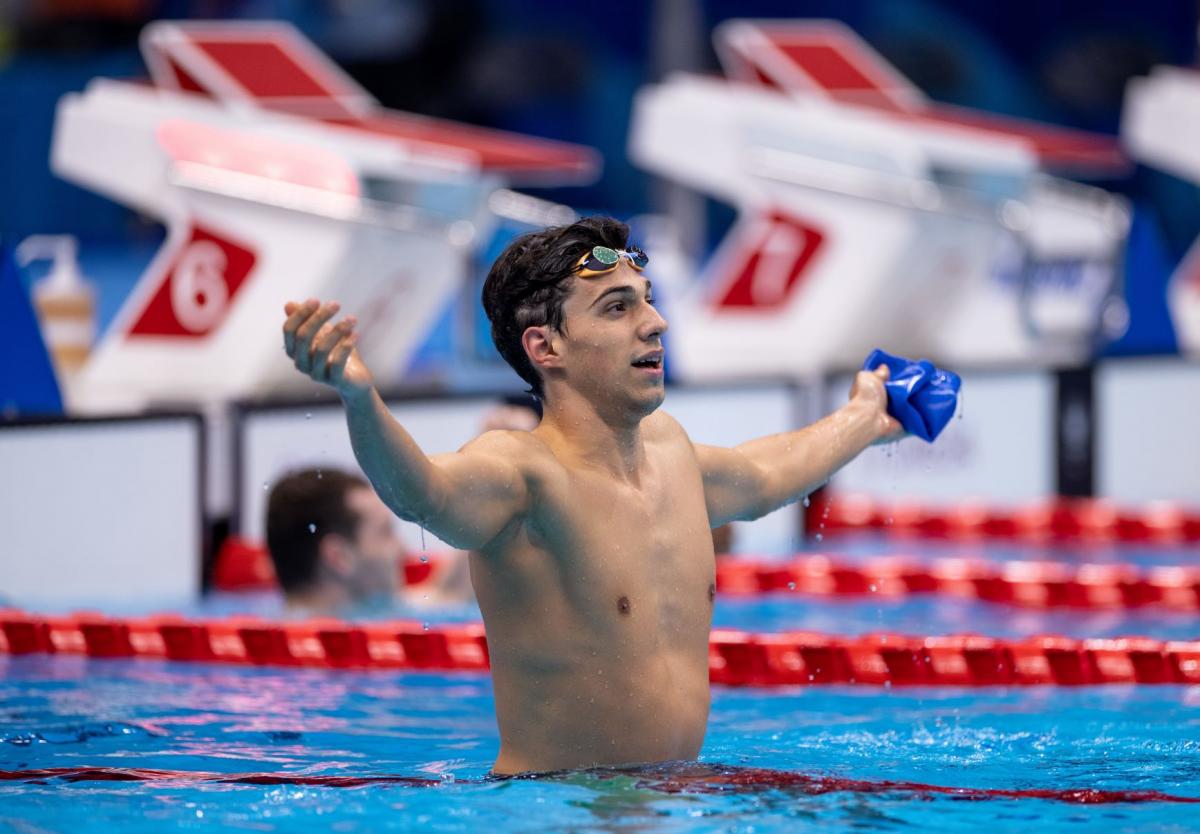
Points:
[(245, 565), (736, 658), (697, 778), (138, 774), (1024, 584), (718, 778), (1093, 520)]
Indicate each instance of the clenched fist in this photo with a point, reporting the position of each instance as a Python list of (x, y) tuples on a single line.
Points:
[(869, 392)]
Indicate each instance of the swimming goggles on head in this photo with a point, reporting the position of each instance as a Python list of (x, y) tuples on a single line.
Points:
[(602, 259)]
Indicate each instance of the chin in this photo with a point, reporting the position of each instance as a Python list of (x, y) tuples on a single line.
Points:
[(652, 400)]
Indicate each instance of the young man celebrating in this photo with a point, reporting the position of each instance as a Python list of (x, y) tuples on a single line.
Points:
[(592, 557)]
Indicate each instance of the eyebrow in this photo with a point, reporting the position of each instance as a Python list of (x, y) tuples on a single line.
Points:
[(621, 289)]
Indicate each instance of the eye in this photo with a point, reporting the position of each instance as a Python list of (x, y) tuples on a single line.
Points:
[(616, 307), (650, 300)]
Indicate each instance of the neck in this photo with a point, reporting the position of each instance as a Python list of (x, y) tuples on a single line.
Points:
[(606, 439), (320, 599)]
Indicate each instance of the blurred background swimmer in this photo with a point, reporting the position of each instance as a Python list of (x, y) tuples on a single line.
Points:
[(335, 549)]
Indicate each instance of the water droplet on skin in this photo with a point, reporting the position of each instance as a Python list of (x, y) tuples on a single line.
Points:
[(425, 626), (791, 586), (312, 528), (424, 558), (807, 502)]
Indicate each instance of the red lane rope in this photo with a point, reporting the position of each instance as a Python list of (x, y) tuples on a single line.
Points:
[(1069, 519), (245, 566), (1026, 584), (699, 779), (139, 774), (736, 658)]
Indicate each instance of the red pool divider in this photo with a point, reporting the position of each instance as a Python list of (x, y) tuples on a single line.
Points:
[(736, 658), (701, 778), (1025, 584), (244, 565), (1094, 520)]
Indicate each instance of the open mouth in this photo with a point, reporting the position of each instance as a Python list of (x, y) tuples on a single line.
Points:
[(654, 362)]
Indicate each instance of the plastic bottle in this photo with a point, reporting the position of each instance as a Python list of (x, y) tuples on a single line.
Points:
[(65, 302)]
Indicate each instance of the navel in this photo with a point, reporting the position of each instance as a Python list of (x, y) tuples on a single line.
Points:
[(623, 605)]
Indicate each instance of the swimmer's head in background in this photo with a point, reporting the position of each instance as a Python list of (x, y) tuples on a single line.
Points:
[(533, 276), (302, 508)]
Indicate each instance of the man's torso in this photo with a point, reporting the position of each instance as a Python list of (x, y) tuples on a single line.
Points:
[(598, 607)]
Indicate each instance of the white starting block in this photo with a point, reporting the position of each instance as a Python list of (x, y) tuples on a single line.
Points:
[(278, 178), (1160, 125), (869, 216)]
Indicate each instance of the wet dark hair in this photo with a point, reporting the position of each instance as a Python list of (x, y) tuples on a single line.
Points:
[(531, 279), (314, 497)]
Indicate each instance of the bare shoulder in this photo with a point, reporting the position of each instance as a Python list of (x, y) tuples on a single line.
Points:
[(514, 445), (521, 449), (661, 427)]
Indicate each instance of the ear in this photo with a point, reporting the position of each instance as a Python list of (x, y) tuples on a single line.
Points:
[(334, 554), (542, 347)]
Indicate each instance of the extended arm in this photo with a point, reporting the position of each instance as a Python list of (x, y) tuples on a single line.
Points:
[(466, 498), (751, 480)]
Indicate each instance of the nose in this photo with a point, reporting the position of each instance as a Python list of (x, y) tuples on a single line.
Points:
[(655, 324)]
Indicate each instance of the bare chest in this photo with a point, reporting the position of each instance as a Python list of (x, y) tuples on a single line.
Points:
[(635, 556)]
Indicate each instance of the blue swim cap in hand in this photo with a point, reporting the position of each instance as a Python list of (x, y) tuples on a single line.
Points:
[(923, 398)]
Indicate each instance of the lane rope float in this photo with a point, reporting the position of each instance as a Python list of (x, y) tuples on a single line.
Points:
[(1093, 520), (736, 658), (700, 778), (1021, 583)]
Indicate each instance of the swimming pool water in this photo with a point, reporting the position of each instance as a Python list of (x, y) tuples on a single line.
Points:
[(71, 712), (195, 719)]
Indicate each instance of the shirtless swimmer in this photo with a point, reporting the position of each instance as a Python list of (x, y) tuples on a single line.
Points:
[(592, 558)]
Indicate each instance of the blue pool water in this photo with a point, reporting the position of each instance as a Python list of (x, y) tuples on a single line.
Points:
[(195, 719), (70, 712)]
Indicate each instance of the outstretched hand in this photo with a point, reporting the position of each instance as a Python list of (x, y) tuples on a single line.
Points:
[(324, 351), (868, 390)]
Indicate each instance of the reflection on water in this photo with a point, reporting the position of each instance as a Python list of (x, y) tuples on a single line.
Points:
[(819, 758)]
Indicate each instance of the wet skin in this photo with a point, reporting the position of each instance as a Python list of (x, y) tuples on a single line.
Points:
[(598, 617), (593, 559)]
